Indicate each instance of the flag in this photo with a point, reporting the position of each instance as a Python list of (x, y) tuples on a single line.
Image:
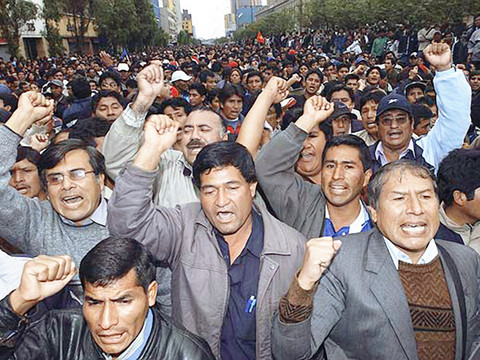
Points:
[(260, 38), (124, 55)]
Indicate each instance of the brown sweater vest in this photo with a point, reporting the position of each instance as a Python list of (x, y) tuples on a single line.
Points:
[(430, 309)]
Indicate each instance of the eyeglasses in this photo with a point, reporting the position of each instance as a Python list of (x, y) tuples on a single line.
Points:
[(74, 175), (388, 121)]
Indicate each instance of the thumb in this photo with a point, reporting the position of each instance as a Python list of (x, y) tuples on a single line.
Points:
[(337, 244)]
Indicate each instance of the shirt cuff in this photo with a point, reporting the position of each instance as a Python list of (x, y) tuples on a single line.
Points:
[(133, 118), (297, 305)]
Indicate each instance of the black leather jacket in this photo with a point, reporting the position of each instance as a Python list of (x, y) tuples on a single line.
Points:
[(64, 335)]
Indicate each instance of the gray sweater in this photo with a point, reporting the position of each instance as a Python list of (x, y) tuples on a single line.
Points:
[(34, 225)]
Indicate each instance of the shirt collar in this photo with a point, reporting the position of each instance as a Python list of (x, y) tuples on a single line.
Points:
[(380, 153), (431, 252), (136, 347), (357, 225), (99, 216)]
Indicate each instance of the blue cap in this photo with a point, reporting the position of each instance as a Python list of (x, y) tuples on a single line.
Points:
[(394, 101), (341, 109), (5, 90), (359, 60)]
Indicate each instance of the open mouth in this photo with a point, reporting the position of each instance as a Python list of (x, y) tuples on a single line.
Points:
[(72, 200), (22, 189), (414, 229), (111, 339), (395, 135), (224, 216), (337, 189)]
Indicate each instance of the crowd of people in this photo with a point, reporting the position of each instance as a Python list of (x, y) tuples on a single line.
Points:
[(309, 196)]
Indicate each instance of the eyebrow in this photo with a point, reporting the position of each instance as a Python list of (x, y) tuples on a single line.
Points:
[(341, 162), (232, 182), (406, 192)]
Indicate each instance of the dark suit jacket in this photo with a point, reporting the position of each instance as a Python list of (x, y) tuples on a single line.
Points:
[(361, 311)]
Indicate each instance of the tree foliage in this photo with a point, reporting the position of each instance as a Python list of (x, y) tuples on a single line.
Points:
[(352, 14), (128, 22), (14, 15), (51, 14)]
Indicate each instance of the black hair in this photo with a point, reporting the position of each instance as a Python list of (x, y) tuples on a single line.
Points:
[(419, 113), (110, 74), (253, 74), (131, 83), (314, 71), (89, 129), (9, 100), (55, 153), (205, 74), (199, 87), (351, 77), (459, 170), (341, 87), (224, 153), (375, 96), (374, 68), (26, 152), (341, 66), (426, 100), (175, 103), (112, 258), (216, 66), (104, 94), (80, 88), (229, 90), (212, 94), (352, 141)]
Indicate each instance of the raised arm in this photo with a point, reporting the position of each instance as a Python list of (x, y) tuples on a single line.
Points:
[(289, 195), (251, 131), (124, 137), (42, 277), (453, 102), (131, 212), (19, 215)]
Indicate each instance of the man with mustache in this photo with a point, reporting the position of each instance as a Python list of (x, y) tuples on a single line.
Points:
[(173, 182), (395, 118)]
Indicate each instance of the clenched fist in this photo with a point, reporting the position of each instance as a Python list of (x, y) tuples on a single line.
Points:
[(318, 256)]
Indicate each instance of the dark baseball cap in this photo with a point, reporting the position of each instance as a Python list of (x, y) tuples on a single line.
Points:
[(341, 109), (415, 84), (394, 101)]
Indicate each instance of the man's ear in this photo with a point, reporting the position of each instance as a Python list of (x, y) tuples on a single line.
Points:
[(368, 175), (459, 198), (253, 189), (101, 180), (373, 213), (152, 293)]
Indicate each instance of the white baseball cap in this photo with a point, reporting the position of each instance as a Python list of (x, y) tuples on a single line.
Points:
[(180, 75), (123, 67)]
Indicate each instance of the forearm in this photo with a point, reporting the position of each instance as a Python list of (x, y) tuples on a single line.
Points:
[(141, 104), (123, 141), (17, 122), (10, 321), (251, 131), (453, 116), (148, 157), (131, 213), (19, 304)]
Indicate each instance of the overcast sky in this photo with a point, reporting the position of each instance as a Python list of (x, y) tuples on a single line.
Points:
[(208, 16)]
